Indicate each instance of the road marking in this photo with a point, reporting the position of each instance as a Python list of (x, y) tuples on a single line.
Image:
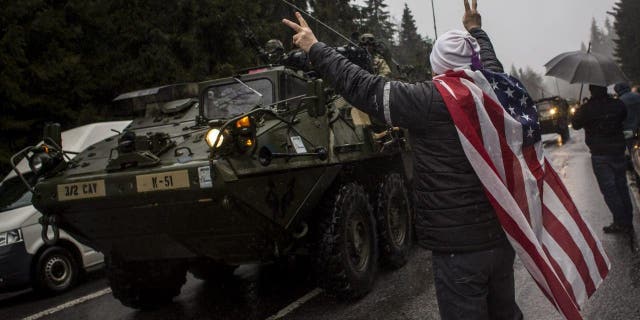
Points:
[(296, 304), (68, 304)]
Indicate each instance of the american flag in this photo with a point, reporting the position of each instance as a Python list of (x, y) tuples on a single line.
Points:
[(498, 127)]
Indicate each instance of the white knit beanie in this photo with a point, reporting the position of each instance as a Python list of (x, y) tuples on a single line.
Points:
[(453, 50)]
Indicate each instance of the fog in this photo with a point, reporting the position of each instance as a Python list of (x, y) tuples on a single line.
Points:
[(525, 33)]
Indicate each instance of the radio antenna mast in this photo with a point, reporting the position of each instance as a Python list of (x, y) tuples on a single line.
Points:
[(435, 26), (320, 22)]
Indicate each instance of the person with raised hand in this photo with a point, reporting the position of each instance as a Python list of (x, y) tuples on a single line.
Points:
[(472, 258)]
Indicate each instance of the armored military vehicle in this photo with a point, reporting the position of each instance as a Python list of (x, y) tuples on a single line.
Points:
[(555, 116), (208, 176)]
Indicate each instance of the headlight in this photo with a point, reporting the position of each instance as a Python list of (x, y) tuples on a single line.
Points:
[(10, 237), (573, 110), (39, 161), (211, 137), (553, 111), (43, 159)]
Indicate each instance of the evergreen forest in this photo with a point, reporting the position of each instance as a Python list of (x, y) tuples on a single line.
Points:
[(64, 61)]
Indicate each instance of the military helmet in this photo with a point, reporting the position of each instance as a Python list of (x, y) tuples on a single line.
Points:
[(274, 46), (367, 39)]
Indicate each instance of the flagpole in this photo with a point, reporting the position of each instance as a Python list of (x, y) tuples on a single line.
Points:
[(435, 27)]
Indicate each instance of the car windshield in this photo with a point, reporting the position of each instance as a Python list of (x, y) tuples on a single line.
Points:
[(545, 105), (233, 99), (14, 194)]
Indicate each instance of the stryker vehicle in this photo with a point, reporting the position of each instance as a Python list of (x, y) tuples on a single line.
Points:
[(247, 169)]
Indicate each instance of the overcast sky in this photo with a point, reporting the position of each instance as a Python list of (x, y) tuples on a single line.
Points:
[(524, 32)]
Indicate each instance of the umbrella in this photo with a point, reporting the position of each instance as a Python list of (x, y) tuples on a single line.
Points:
[(585, 67)]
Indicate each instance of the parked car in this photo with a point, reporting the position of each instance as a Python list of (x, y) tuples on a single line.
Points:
[(25, 260), (554, 115)]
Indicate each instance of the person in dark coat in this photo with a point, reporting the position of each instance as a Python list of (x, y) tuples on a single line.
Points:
[(632, 101), (602, 118), (472, 259)]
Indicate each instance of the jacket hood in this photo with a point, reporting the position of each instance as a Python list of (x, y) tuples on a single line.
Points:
[(622, 88)]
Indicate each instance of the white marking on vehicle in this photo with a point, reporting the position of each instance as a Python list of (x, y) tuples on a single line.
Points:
[(296, 304), (68, 304)]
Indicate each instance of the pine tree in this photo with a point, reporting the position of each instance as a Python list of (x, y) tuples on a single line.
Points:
[(531, 80), (64, 61), (412, 49), (597, 37), (341, 15), (609, 39), (378, 21), (627, 26), (602, 41)]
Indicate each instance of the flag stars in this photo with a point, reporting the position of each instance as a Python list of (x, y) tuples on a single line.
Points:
[(494, 84), (526, 117), (530, 132), (523, 100), (510, 92), (512, 110)]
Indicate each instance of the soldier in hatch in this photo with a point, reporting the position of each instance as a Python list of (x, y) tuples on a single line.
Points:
[(380, 65), (273, 52)]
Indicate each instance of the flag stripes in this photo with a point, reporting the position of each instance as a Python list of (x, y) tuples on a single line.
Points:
[(498, 128)]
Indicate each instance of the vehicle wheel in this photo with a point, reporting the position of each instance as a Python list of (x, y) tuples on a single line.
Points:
[(565, 134), (394, 221), (56, 270), (347, 249), (145, 285)]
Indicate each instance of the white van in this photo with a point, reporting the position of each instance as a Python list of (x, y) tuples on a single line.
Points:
[(25, 260)]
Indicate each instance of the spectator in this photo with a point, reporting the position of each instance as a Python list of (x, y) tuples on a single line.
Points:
[(602, 119), (472, 259), (631, 100)]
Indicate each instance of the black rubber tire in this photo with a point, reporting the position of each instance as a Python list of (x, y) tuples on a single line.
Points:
[(394, 221), (563, 130), (145, 285), (347, 250), (56, 270), (565, 134)]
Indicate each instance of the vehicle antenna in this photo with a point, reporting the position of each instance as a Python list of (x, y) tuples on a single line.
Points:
[(320, 22), (435, 25)]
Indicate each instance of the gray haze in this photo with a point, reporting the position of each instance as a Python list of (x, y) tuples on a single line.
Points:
[(524, 32)]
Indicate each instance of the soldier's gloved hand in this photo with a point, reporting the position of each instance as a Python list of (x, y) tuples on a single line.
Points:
[(304, 37), (471, 19)]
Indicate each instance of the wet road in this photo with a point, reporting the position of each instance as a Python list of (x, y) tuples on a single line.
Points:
[(288, 291)]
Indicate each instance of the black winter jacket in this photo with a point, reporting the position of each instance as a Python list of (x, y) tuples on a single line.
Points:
[(632, 101), (453, 213), (602, 120)]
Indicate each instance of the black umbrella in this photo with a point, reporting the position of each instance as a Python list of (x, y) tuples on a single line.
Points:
[(585, 67)]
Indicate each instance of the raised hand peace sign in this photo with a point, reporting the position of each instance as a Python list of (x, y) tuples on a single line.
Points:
[(304, 37), (472, 18)]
